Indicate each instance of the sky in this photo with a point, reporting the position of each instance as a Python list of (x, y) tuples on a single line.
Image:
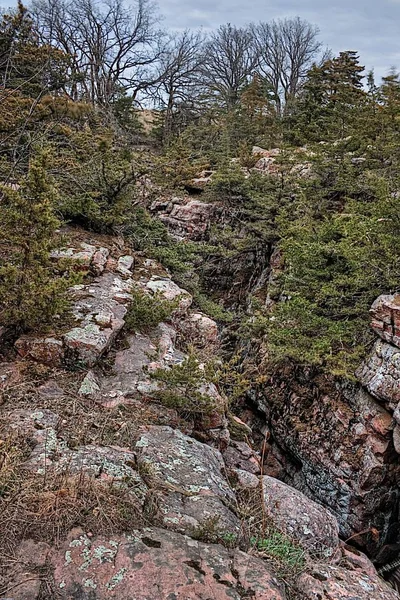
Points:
[(369, 27)]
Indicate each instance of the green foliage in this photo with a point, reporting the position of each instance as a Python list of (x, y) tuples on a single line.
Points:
[(31, 292), (331, 103), (229, 184), (178, 165), (96, 175), (149, 234), (280, 548), (147, 311), (185, 388), (26, 64), (340, 242), (211, 308)]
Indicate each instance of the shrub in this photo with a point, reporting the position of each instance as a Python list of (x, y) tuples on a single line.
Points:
[(31, 292), (147, 311), (185, 388), (280, 548), (229, 184)]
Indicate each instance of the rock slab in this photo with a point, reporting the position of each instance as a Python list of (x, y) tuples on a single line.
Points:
[(158, 565)]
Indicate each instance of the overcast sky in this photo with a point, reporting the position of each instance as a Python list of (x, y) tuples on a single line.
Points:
[(372, 28)]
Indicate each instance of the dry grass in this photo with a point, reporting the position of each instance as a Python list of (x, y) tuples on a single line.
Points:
[(46, 508), (259, 537)]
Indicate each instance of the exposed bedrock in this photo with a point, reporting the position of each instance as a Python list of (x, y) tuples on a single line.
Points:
[(335, 445)]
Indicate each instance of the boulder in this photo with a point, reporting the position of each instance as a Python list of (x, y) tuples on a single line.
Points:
[(89, 386), (188, 220), (99, 309), (301, 519), (81, 258), (106, 464), (385, 318), (198, 184), (266, 153), (328, 582), (100, 260), (160, 565), (266, 164), (380, 373), (168, 290), (239, 455), (199, 330), (124, 265), (197, 493), (48, 350)]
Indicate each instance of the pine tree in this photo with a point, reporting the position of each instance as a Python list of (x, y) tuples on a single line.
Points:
[(27, 65), (332, 100), (31, 293)]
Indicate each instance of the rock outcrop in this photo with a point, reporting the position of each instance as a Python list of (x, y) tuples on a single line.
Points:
[(326, 582), (334, 446), (193, 472), (183, 477), (185, 218)]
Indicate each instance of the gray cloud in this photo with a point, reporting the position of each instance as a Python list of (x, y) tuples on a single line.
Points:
[(371, 28)]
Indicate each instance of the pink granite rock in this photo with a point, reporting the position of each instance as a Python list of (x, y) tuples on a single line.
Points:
[(336, 583), (48, 350), (25, 579), (188, 220), (155, 564), (199, 330), (100, 260), (303, 520), (380, 373), (194, 474), (335, 446)]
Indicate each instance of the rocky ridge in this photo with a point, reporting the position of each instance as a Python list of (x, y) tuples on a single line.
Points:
[(183, 480)]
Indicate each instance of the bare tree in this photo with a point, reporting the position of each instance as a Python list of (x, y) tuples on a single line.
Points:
[(178, 88), (111, 47), (287, 49), (230, 60)]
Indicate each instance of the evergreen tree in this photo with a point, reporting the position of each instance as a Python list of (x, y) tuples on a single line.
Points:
[(331, 102), (31, 293), (27, 65)]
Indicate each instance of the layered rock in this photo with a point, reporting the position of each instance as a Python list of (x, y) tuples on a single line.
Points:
[(335, 448), (385, 318), (380, 374), (98, 308), (188, 220)]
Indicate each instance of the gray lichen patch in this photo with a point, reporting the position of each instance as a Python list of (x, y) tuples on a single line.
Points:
[(116, 579)]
